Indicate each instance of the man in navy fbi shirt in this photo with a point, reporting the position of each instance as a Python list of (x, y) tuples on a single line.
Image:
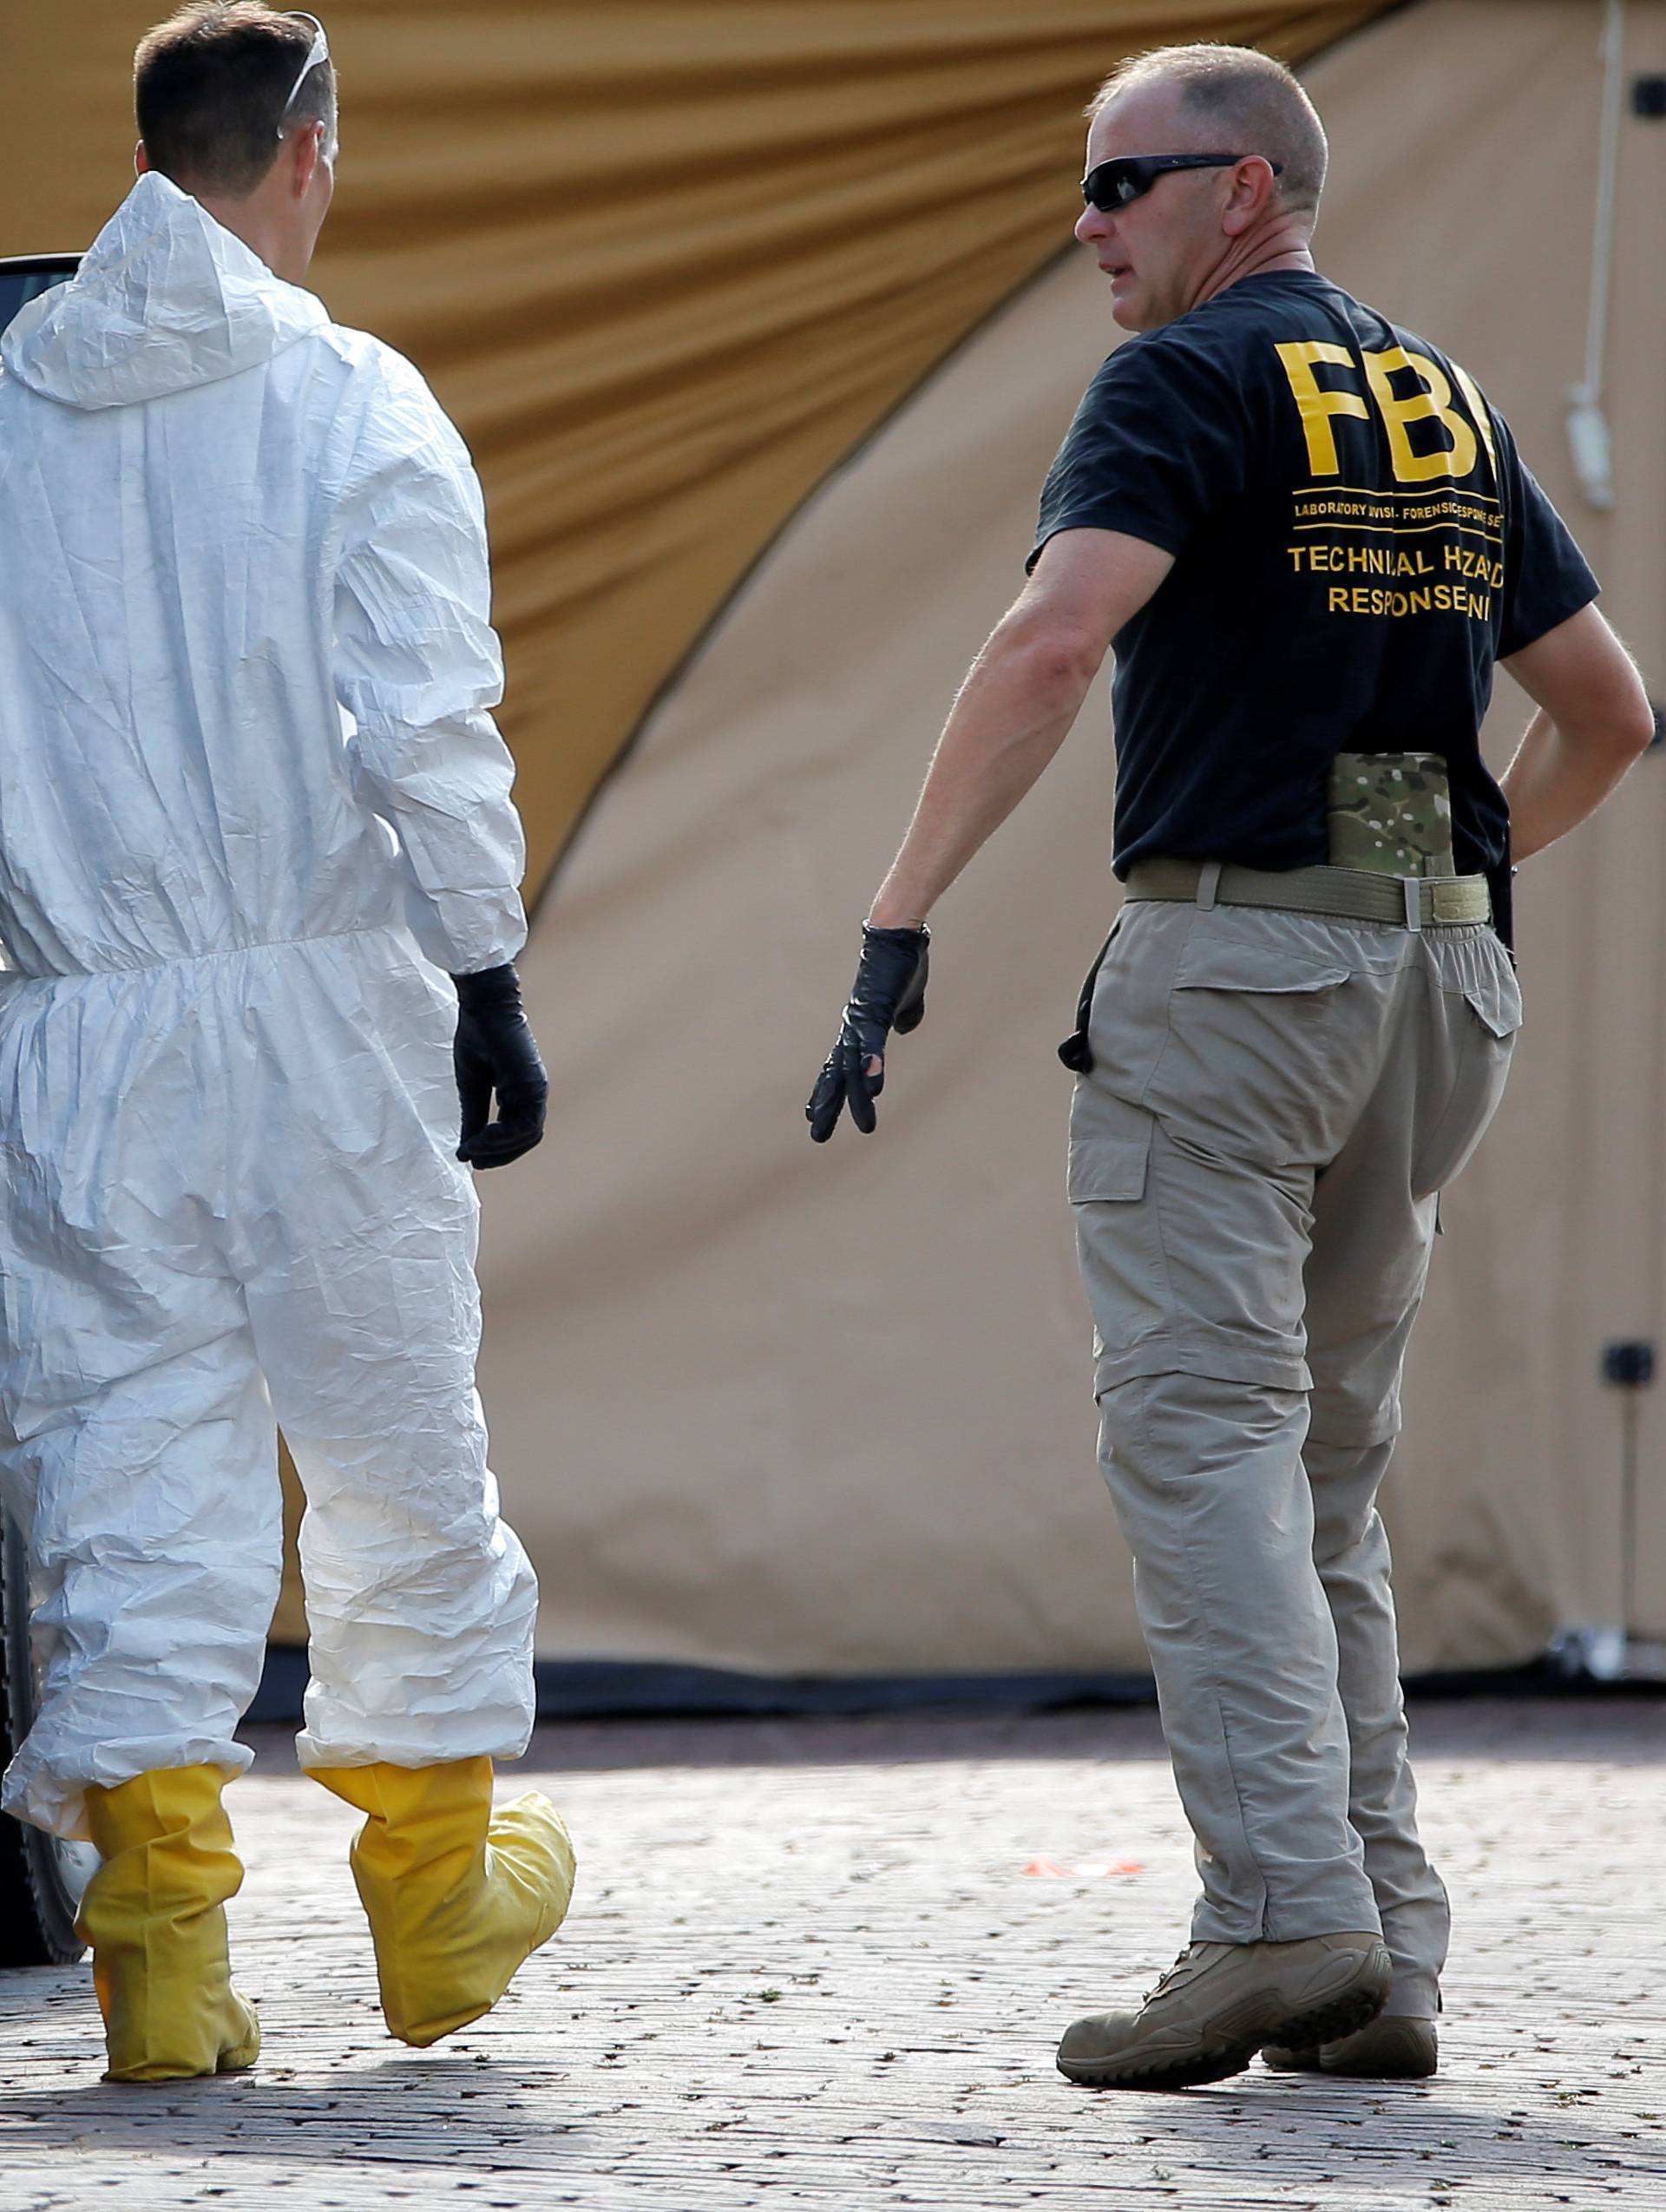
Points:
[(1309, 538)]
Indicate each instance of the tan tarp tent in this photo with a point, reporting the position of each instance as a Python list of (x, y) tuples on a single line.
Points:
[(760, 1406), (828, 1410)]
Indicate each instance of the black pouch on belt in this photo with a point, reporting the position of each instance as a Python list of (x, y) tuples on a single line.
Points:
[(1076, 1053), (1390, 812)]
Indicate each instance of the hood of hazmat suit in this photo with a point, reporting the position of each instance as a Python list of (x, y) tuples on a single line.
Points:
[(252, 801), (166, 299), (215, 450)]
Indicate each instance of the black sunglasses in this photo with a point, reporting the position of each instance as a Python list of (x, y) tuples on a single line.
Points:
[(1113, 184)]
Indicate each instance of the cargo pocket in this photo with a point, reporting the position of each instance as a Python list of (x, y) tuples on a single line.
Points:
[(1252, 1064), (1483, 1041), (1109, 1170), (1495, 1002), (1228, 964), (1117, 1240)]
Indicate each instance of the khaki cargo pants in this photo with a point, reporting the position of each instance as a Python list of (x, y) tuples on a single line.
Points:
[(1275, 1101)]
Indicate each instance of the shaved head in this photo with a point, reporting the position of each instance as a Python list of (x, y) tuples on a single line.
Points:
[(1240, 101)]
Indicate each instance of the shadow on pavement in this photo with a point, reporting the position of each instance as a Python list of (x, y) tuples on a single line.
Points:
[(1624, 1730)]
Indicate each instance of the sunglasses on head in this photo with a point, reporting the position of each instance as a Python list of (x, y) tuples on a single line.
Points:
[(1113, 184), (319, 51)]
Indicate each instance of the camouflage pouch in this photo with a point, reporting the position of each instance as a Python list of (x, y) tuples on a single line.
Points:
[(1390, 812)]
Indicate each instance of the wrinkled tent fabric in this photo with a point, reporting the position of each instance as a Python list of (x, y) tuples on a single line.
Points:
[(665, 261), (674, 1325)]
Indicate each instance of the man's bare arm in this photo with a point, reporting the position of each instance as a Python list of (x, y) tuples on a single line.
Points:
[(1016, 707), (1593, 721)]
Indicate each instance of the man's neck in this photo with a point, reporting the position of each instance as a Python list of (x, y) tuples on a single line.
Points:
[(245, 219), (1276, 254)]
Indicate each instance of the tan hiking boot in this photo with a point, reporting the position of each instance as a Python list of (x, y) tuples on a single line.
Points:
[(1388, 2050), (1220, 2003)]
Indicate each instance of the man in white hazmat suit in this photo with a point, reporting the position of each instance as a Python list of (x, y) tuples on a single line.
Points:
[(228, 1094)]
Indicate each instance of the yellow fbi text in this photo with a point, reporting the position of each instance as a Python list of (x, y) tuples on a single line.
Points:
[(1458, 437)]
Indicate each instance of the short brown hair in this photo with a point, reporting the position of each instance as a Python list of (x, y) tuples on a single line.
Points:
[(1255, 102), (209, 85)]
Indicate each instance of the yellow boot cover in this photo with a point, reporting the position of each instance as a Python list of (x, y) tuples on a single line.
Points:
[(155, 1914), (456, 1897)]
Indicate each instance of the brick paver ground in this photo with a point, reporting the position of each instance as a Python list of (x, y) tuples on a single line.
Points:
[(808, 1966)]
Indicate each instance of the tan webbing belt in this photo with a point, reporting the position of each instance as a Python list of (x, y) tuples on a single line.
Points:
[(1345, 894)]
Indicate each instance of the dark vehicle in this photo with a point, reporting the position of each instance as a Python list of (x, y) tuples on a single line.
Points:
[(41, 1877), (22, 279)]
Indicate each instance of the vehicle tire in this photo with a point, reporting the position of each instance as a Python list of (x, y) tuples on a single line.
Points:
[(40, 1876)]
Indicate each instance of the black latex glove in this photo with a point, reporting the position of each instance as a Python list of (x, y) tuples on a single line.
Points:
[(495, 1052), (890, 993)]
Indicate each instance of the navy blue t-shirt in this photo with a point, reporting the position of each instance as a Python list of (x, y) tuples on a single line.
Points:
[(1356, 542)]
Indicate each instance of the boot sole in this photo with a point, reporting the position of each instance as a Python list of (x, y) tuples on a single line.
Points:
[(1344, 2014), (1396, 2063), (1346, 2073)]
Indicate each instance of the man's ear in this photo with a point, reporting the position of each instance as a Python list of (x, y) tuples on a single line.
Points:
[(140, 160), (1250, 193), (306, 151)]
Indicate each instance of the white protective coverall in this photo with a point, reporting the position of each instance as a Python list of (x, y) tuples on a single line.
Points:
[(226, 1099)]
